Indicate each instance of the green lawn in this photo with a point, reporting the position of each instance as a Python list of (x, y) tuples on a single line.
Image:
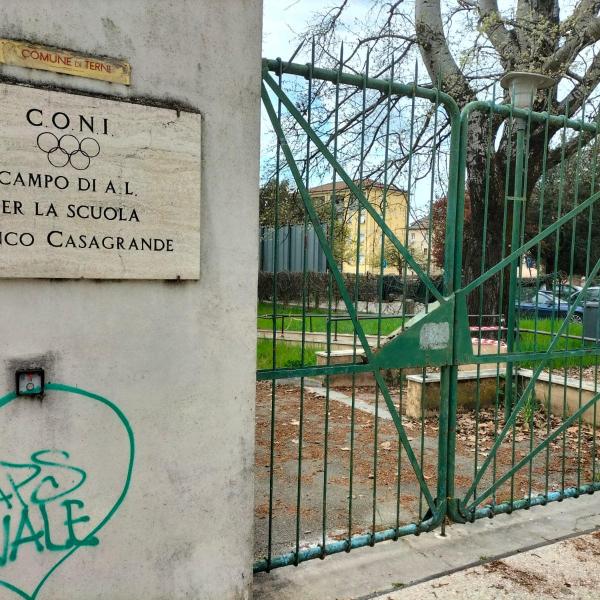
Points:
[(288, 355), (293, 320), (530, 342)]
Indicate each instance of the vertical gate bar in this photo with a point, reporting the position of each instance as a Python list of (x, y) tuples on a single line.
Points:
[(505, 215), (483, 259), (304, 286), (332, 245), (422, 415), (356, 300), (380, 284), (274, 343), (501, 322), (428, 271), (555, 274), (409, 186), (571, 267), (533, 405), (453, 242), (515, 226), (564, 410), (587, 271), (411, 135), (538, 262), (512, 285)]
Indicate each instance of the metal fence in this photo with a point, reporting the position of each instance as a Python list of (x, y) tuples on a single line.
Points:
[(292, 241), (441, 415)]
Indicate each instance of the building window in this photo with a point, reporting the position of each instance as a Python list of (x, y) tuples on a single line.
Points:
[(363, 218), (361, 238), (412, 236), (361, 259)]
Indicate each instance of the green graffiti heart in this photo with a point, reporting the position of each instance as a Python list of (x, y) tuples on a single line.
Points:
[(69, 389)]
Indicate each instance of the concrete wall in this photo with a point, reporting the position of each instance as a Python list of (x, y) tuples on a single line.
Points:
[(177, 359)]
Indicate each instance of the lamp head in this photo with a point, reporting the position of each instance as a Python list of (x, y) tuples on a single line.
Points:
[(523, 86)]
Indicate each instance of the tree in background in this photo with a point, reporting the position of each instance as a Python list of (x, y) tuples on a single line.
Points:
[(393, 257), (290, 210), (285, 206), (438, 230), (562, 189), (466, 46)]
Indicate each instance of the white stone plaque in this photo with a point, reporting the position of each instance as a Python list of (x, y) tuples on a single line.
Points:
[(95, 188)]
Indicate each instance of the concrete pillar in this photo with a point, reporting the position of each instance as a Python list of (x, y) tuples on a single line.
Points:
[(175, 359)]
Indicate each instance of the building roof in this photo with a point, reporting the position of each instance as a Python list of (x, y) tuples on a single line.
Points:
[(340, 185), (422, 223)]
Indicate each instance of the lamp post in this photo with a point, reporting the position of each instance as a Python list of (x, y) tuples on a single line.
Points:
[(523, 88)]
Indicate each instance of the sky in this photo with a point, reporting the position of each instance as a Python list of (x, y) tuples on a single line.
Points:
[(284, 20)]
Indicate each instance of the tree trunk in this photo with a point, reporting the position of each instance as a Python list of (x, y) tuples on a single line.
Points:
[(488, 184)]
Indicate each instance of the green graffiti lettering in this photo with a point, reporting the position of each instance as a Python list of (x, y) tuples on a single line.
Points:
[(90, 540), (35, 457), (29, 496), (20, 539), (6, 499), (17, 485), (50, 545), (39, 488), (6, 530)]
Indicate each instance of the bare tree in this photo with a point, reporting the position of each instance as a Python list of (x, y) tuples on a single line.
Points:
[(466, 46)]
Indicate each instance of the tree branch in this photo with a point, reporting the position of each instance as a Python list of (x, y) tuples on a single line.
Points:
[(581, 31), (578, 95), (436, 55), (492, 24), (556, 155)]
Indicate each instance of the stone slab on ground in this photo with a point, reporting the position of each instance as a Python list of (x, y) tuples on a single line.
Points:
[(370, 572)]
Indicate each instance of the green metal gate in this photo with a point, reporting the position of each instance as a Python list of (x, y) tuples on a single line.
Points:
[(362, 435)]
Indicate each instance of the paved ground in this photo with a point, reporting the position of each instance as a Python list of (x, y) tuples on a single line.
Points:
[(569, 569), (565, 569)]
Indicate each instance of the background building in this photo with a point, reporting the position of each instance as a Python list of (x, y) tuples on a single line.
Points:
[(356, 228), (419, 243)]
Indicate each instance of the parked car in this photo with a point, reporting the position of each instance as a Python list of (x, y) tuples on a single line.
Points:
[(591, 294), (547, 305), (563, 290)]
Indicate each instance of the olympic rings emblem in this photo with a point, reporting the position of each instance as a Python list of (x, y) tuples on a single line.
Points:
[(68, 150)]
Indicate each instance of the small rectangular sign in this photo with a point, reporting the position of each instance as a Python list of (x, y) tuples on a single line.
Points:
[(96, 188), (46, 58)]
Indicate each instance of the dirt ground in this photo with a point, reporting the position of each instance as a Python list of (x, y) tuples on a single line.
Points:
[(364, 465)]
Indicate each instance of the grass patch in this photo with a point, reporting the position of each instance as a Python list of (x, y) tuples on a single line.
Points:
[(288, 355), (531, 342), (318, 323)]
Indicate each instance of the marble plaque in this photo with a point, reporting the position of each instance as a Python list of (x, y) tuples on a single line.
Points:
[(96, 188)]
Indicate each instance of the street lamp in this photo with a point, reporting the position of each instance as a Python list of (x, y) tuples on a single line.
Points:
[(523, 88)]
